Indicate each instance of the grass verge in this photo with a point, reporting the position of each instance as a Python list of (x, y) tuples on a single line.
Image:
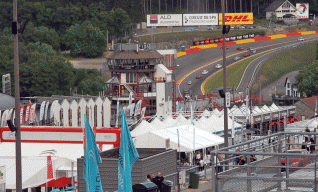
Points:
[(192, 36), (296, 59), (234, 74)]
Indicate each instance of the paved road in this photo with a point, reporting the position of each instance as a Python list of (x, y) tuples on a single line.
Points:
[(192, 61), (249, 74)]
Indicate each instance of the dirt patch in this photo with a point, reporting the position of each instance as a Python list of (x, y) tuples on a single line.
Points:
[(258, 81)]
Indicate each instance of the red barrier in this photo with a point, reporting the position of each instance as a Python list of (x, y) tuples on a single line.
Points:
[(262, 38), (292, 34), (192, 50), (230, 43)]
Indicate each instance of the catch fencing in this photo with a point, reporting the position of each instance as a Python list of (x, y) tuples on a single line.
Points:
[(265, 167)]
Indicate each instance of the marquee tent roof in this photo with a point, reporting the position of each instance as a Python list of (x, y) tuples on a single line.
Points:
[(142, 128), (156, 122), (158, 138)]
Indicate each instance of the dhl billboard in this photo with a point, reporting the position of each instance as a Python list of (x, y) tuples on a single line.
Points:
[(236, 18)]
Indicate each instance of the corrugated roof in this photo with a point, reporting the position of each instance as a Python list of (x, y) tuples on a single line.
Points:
[(310, 102), (272, 7), (153, 54)]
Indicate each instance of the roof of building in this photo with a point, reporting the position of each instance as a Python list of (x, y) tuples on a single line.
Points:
[(153, 54), (292, 79), (6, 101), (310, 101), (275, 5)]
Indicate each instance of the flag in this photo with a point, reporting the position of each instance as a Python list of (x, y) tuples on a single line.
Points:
[(143, 111), (52, 108), (91, 159), (49, 167), (4, 118), (32, 113), (138, 108), (130, 98), (46, 110), (132, 107), (27, 112), (192, 116), (128, 155), (117, 115), (42, 110)]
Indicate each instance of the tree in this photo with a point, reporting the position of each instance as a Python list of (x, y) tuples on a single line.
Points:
[(44, 72), (40, 34), (91, 85), (120, 23), (85, 40), (308, 80)]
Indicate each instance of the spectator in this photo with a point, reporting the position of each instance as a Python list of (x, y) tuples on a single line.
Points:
[(312, 147), (148, 178), (198, 156), (160, 180), (242, 161), (303, 146), (153, 179), (307, 136), (237, 159), (308, 145), (201, 165)]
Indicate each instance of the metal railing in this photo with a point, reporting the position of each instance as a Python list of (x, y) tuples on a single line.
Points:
[(267, 164)]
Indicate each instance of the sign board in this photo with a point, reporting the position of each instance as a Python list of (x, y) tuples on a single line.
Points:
[(6, 84), (228, 99), (237, 18), (2, 174), (239, 37), (200, 19), (257, 119), (164, 20), (233, 38), (302, 10), (251, 35)]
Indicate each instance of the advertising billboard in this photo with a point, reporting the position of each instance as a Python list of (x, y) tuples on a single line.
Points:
[(164, 20), (302, 10), (200, 19), (237, 18)]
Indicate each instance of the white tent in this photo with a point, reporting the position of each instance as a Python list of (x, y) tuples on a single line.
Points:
[(206, 113), (157, 123), (158, 139), (169, 121), (181, 120), (265, 108), (143, 128)]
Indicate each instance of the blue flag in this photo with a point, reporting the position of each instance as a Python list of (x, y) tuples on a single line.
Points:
[(92, 158), (128, 155)]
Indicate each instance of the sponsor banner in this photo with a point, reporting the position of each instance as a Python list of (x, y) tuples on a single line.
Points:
[(275, 116), (283, 113), (21, 114), (42, 110), (138, 108), (46, 110), (196, 42), (302, 10), (52, 108), (200, 19), (292, 111), (202, 42), (221, 39), (2, 174), (32, 113), (227, 39), (216, 40), (239, 37), (164, 20), (27, 112), (267, 117), (251, 35), (257, 119), (10, 114), (207, 41), (4, 118), (236, 18), (233, 38), (245, 36), (211, 40)]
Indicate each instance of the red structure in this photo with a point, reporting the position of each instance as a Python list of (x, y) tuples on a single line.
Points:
[(71, 135)]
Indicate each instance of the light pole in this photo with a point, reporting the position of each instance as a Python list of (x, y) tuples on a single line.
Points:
[(226, 134), (17, 98)]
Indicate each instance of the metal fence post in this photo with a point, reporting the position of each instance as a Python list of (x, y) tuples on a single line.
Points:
[(315, 174), (249, 186), (287, 171), (279, 150), (213, 177)]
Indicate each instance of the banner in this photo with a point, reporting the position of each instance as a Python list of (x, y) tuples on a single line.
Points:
[(237, 18), (245, 36), (302, 10), (2, 174), (143, 111), (91, 161), (233, 38), (49, 168), (52, 108), (27, 112), (251, 35), (132, 108), (42, 110), (128, 155), (46, 110), (10, 114), (32, 113), (239, 37), (200, 19), (21, 114), (4, 118), (164, 20), (13, 117), (130, 98), (138, 108)]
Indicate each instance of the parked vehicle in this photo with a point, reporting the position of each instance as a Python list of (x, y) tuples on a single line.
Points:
[(295, 161)]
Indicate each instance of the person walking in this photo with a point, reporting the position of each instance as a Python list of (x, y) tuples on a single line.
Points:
[(160, 180), (153, 179), (201, 165), (148, 178)]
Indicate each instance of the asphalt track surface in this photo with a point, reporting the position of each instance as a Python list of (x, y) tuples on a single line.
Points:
[(191, 62)]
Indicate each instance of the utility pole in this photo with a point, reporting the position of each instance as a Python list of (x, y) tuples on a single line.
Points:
[(234, 7), (251, 7), (240, 6), (226, 134), (159, 6), (187, 6), (17, 99)]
